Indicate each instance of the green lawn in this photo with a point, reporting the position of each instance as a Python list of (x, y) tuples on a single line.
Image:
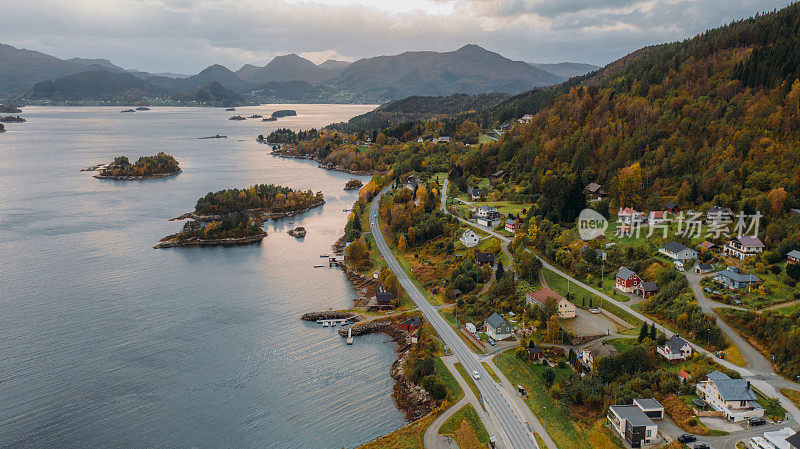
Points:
[(558, 422), (468, 377), (466, 413), (455, 392), (492, 374)]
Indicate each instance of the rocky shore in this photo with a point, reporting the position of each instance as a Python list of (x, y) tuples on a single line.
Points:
[(136, 178), (264, 215), (330, 315), (194, 241)]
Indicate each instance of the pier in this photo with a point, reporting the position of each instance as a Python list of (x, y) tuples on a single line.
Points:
[(332, 322)]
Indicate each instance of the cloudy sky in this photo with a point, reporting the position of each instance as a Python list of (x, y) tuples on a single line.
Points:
[(185, 36)]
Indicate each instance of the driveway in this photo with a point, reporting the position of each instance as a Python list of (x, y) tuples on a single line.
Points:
[(587, 324)]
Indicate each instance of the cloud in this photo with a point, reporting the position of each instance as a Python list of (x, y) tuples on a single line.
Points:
[(188, 35)]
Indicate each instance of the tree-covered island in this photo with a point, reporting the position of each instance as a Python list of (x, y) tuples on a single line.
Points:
[(233, 229), (146, 167)]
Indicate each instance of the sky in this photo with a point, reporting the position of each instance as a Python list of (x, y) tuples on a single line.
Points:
[(185, 36)]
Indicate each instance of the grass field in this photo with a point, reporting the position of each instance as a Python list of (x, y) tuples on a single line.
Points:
[(408, 437), (792, 395), (474, 433), (455, 392), (491, 372), (733, 355), (468, 377), (564, 431)]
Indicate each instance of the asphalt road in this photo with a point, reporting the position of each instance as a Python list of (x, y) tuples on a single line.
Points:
[(509, 421)]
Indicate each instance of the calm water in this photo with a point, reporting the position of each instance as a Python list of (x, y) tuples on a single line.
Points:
[(106, 342)]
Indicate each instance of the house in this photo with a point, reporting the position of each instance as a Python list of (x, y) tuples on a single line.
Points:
[(469, 238), (734, 280), (683, 376), (703, 268), (657, 217), (652, 408), (675, 348), (487, 212), (499, 175), (672, 208), (527, 118), (707, 246), (471, 328), (599, 253), (384, 296), (476, 193), (497, 327), (595, 191), (793, 256), (535, 353), (412, 183), (678, 251), (794, 441), (420, 140), (632, 424), (411, 324), (484, 259), (733, 397), (511, 226), (627, 280), (778, 438), (564, 308), (743, 246), (646, 289), (719, 213), (592, 354), (629, 216), (443, 139)]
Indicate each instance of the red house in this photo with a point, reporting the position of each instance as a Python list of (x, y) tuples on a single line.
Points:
[(793, 256), (535, 353), (627, 280), (411, 324)]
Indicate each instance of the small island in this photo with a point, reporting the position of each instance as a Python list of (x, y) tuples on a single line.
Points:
[(147, 167), (142, 108), (2, 128), (233, 229), (9, 109), (237, 117), (284, 113), (269, 119), (255, 116), (216, 136), (230, 109), (353, 184), (12, 119), (128, 110), (298, 232)]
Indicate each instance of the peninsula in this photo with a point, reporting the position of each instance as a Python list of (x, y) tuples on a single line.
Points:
[(147, 167)]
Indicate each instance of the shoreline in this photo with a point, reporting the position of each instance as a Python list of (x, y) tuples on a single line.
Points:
[(278, 153), (136, 178), (194, 241), (260, 212)]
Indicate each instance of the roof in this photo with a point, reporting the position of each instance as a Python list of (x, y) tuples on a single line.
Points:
[(648, 404), (495, 320), (731, 389), (675, 344), (794, 440), (778, 437), (468, 232), (600, 349), (714, 210), (627, 212), (413, 321), (794, 253), (633, 415), (625, 273), (649, 287), (542, 295), (657, 214), (535, 350), (670, 205), (707, 245), (705, 267), (750, 241), (734, 275), (510, 221), (383, 292), (674, 247), (593, 187), (484, 257), (683, 374)]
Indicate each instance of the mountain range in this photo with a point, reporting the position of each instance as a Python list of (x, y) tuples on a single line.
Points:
[(470, 70)]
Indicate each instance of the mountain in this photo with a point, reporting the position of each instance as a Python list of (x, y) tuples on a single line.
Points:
[(470, 69), (210, 94), (95, 85), (285, 68), (20, 69), (215, 73), (566, 70), (332, 65), (287, 92)]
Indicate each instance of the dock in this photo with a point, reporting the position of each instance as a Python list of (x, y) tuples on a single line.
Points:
[(350, 336), (332, 322)]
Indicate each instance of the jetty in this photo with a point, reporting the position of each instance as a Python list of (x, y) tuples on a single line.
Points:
[(349, 335), (340, 321)]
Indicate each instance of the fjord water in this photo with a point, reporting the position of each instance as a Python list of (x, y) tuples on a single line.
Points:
[(106, 342)]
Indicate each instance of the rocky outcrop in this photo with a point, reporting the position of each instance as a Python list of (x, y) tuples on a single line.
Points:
[(194, 241), (136, 178), (330, 315)]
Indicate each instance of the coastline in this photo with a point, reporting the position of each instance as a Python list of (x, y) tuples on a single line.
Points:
[(194, 241), (260, 212), (278, 153)]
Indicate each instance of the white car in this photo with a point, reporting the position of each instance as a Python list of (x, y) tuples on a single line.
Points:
[(476, 375)]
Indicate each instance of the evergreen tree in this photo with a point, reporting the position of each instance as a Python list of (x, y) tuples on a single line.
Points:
[(653, 332), (500, 270), (643, 332)]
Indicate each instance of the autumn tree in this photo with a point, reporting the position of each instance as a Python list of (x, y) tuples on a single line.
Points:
[(553, 327), (402, 246), (629, 186), (777, 200)]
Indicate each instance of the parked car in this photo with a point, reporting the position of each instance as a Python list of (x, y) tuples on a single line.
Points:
[(687, 438), (594, 310), (756, 422), (476, 375), (701, 446)]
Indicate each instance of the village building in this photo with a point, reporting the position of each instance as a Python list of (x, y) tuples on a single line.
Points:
[(671, 208), (646, 289), (476, 193), (678, 251), (535, 353), (708, 246), (469, 238), (627, 280), (733, 397), (596, 351), (744, 246), (734, 280), (703, 268), (411, 324), (793, 256), (511, 226), (675, 348), (487, 212), (657, 217), (527, 118), (497, 327), (683, 376), (384, 297), (564, 308), (794, 440), (629, 216), (632, 424), (778, 438), (595, 191), (718, 214), (443, 139), (484, 259)]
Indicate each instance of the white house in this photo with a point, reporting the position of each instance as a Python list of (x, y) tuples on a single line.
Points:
[(632, 424), (629, 215), (526, 118), (564, 308), (441, 139), (678, 251), (497, 327), (733, 397), (469, 238), (744, 246), (675, 348), (487, 212), (778, 438)]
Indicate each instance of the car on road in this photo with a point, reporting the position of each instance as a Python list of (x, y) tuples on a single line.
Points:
[(756, 422), (476, 375), (594, 310), (701, 446), (687, 438)]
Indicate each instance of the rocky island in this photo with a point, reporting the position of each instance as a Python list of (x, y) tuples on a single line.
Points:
[(9, 109), (147, 167), (237, 117), (12, 119), (298, 232), (353, 184), (142, 108), (2, 128), (233, 229), (284, 113)]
